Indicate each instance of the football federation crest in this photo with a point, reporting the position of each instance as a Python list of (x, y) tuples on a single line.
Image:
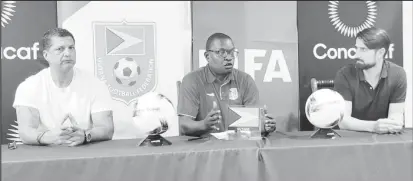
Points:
[(233, 93), (125, 58)]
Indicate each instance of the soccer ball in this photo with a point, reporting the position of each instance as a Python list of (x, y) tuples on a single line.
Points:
[(325, 108), (152, 112), (125, 71)]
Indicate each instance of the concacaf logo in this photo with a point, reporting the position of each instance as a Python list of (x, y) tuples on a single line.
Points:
[(346, 30), (7, 12)]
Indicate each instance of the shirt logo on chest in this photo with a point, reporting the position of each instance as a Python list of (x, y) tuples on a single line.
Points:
[(233, 94), (211, 94)]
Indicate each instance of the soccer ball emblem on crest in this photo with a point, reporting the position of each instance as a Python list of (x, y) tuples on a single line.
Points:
[(126, 71), (125, 58)]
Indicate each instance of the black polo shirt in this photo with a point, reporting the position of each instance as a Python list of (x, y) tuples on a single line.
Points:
[(371, 104)]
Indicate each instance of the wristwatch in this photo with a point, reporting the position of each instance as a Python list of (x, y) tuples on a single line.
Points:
[(88, 136)]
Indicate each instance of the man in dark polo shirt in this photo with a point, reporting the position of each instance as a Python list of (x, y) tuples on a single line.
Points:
[(374, 89), (206, 93)]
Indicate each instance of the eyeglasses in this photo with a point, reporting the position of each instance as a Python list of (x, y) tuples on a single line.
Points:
[(224, 53)]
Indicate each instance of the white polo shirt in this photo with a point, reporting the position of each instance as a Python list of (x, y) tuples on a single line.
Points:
[(84, 96)]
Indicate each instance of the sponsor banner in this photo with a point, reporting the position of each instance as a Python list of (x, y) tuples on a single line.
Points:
[(326, 38), (265, 34), (135, 48), (22, 26)]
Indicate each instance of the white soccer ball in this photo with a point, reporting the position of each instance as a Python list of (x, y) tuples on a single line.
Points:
[(152, 112), (325, 108), (126, 70)]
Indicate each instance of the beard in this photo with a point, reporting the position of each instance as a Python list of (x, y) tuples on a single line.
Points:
[(364, 66)]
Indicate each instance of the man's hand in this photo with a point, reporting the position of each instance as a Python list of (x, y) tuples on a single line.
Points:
[(270, 123), (384, 126), (211, 120), (57, 137), (76, 135)]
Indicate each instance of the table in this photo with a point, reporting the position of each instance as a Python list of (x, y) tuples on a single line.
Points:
[(353, 157), (283, 156), (120, 160)]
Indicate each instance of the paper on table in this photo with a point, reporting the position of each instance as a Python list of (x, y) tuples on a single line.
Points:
[(223, 135), (232, 135)]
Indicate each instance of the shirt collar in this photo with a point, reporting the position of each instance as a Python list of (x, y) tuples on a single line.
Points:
[(383, 73), (211, 77)]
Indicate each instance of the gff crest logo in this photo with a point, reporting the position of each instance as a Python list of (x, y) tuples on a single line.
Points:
[(125, 58), (7, 10), (351, 31)]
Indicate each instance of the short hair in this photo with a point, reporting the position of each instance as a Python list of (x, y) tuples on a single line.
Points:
[(59, 32), (216, 36), (375, 38), (45, 42)]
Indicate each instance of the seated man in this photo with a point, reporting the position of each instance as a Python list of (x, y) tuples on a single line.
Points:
[(62, 105), (206, 93), (374, 88)]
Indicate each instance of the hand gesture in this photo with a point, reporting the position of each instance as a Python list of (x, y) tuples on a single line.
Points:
[(269, 123), (77, 135), (57, 137), (213, 118), (384, 126)]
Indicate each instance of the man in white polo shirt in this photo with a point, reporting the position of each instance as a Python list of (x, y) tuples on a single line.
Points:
[(62, 105)]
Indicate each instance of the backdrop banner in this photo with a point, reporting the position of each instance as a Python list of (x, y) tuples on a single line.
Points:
[(23, 24), (326, 38)]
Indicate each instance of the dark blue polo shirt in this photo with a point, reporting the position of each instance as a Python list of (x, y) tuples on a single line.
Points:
[(200, 88), (368, 103)]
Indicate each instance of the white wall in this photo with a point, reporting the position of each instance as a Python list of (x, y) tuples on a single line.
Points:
[(407, 57)]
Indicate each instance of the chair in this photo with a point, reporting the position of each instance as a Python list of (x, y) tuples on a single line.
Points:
[(178, 86), (319, 84)]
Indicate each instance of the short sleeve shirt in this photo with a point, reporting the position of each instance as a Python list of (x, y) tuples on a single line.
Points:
[(200, 88), (85, 95), (370, 103)]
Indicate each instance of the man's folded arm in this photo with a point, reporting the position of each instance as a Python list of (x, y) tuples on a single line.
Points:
[(351, 123), (342, 86), (396, 113), (190, 127), (102, 126), (398, 98), (188, 106), (28, 119), (101, 113)]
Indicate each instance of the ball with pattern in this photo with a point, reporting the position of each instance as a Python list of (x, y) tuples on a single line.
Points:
[(325, 108), (125, 70), (152, 113)]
